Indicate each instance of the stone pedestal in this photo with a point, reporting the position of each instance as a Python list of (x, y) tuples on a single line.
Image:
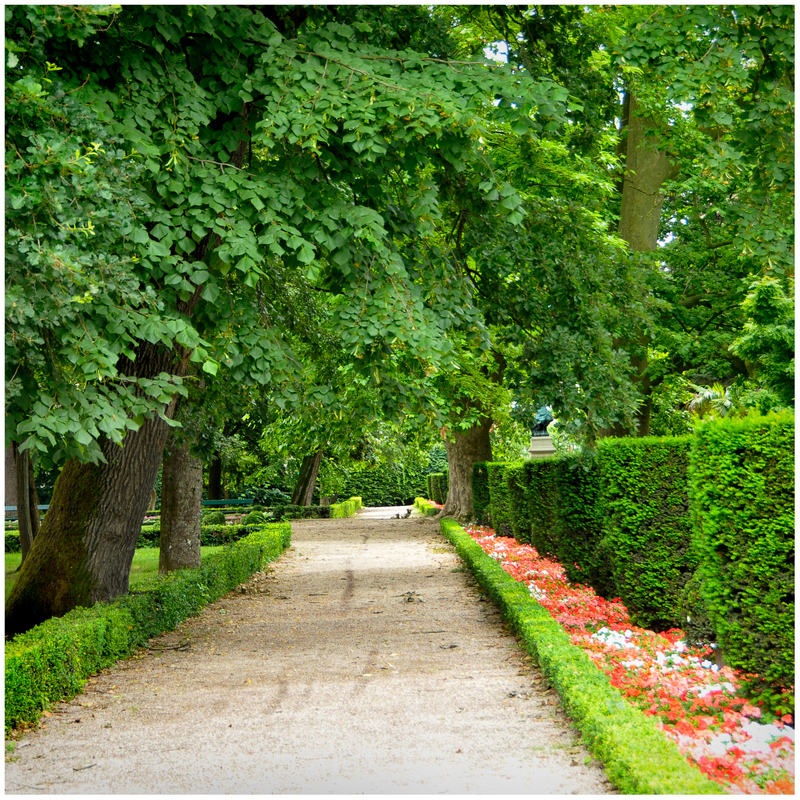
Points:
[(541, 447)]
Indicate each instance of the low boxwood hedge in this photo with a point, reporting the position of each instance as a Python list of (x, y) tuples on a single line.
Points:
[(425, 506), (637, 757), (346, 508), (51, 661)]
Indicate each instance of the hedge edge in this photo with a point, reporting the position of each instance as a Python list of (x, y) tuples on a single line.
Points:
[(425, 507), (637, 757), (51, 661), (346, 508)]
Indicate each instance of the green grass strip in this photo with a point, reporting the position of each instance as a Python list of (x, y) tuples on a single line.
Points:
[(52, 661), (346, 508), (637, 757), (425, 506)]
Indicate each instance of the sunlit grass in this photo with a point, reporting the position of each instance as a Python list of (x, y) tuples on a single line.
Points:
[(145, 564)]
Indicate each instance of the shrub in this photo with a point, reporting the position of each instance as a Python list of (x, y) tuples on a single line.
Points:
[(542, 501), (647, 529), (345, 509), (742, 496), (637, 757), (12, 542), (425, 507), (51, 661), (387, 485), (499, 506), (253, 518), (438, 487), (579, 526), (480, 492), (516, 477), (213, 518)]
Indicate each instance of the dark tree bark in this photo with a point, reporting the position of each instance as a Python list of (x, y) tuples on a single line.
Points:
[(181, 506), (215, 478), (27, 499), (307, 480), (467, 448), (646, 170), (85, 547), (11, 478)]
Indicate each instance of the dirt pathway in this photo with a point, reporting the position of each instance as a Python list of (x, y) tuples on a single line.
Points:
[(364, 661)]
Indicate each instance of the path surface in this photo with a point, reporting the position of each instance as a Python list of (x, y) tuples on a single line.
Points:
[(364, 661)]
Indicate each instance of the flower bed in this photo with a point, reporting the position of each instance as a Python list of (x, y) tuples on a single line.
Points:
[(696, 703)]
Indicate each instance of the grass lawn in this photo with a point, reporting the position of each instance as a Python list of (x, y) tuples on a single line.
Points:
[(145, 564)]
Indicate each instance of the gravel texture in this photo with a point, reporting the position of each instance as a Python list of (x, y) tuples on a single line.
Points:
[(365, 660)]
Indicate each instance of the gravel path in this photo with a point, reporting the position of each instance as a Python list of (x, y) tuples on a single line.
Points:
[(364, 661)]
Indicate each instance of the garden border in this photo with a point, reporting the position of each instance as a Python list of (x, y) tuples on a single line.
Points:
[(637, 757), (50, 662)]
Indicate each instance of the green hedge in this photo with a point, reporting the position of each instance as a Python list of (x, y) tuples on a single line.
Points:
[(742, 492), (647, 527), (480, 492), (425, 507), (12, 542), (499, 505), (386, 485), (51, 661), (541, 502), (438, 487), (579, 526), (637, 757), (346, 509), (517, 477)]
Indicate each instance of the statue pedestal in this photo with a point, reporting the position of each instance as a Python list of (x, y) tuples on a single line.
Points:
[(541, 447)]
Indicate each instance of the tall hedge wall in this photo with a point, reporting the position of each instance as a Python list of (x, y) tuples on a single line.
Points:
[(499, 506), (647, 527), (517, 478), (385, 486), (480, 492), (742, 494), (579, 525), (542, 503)]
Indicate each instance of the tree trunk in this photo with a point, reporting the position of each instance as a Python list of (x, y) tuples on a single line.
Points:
[(307, 480), (646, 170), (215, 478), (11, 477), (467, 448), (27, 500), (85, 547), (181, 505)]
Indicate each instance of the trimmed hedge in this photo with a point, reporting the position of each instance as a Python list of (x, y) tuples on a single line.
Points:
[(541, 502), (579, 526), (438, 487), (386, 485), (51, 661), (12, 542), (517, 478), (345, 509), (742, 493), (499, 505), (480, 492), (425, 507), (647, 528), (637, 757)]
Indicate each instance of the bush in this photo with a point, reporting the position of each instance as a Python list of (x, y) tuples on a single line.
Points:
[(647, 530), (345, 509), (542, 501), (481, 497), (579, 526), (387, 485), (637, 757), (12, 542), (742, 494), (213, 518), (253, 518), (516, 477), (499, 506), (51, 661), (425, 507), (438, 487)]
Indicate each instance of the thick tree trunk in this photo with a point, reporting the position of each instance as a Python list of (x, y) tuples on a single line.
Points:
[(11, 477), (467, 448), (307, 480), (85, 547), (646, 170), (28, 502), (181, 505), (215, 478)]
